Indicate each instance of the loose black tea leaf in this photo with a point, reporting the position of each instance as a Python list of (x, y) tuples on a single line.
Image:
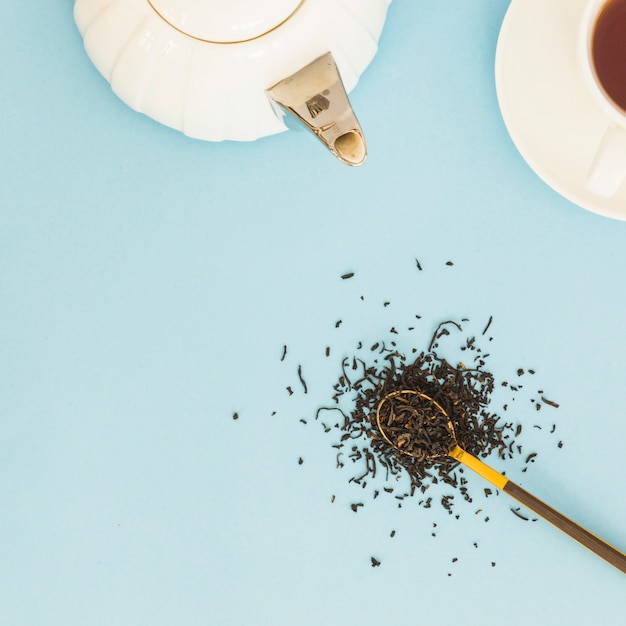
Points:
[(417, 263), (302, 381), (300, 461), (348, 275), (488, 324), (375, 562), (284, 354), (516, 512), (546, 401), (235, 416)]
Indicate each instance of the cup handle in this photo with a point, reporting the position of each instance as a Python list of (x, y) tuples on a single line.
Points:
[(609, 164)]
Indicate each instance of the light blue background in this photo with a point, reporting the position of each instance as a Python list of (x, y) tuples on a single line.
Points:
[(148, 283)]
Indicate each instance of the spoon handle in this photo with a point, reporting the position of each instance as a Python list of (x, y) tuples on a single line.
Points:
[(578, 533), (582, 535)]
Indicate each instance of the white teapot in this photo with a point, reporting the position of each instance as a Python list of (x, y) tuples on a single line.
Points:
[(228, 69)]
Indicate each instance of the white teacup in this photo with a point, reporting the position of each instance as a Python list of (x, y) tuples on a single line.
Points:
[(608, 168)]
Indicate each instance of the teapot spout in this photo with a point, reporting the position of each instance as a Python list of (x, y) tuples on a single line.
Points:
[(316, 96)]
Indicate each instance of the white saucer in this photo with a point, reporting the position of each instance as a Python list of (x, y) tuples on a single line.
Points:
[(553, 120)]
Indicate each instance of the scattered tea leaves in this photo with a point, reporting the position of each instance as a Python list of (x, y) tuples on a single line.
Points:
[(463, 392)]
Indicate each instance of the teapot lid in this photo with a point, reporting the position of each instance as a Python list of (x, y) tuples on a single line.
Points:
[(225, 21)]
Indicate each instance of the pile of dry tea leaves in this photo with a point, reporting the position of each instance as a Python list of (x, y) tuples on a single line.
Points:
[(464, 388), (464, 391)]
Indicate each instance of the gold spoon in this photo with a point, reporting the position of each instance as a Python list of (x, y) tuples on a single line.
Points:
[(416, 425)]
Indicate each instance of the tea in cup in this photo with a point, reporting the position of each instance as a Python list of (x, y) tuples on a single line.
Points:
[(603, 49)]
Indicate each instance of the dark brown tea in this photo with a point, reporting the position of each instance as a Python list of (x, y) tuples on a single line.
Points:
[(609, 51)]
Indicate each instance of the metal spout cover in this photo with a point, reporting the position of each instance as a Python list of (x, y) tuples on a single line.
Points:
[(316, 96)]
